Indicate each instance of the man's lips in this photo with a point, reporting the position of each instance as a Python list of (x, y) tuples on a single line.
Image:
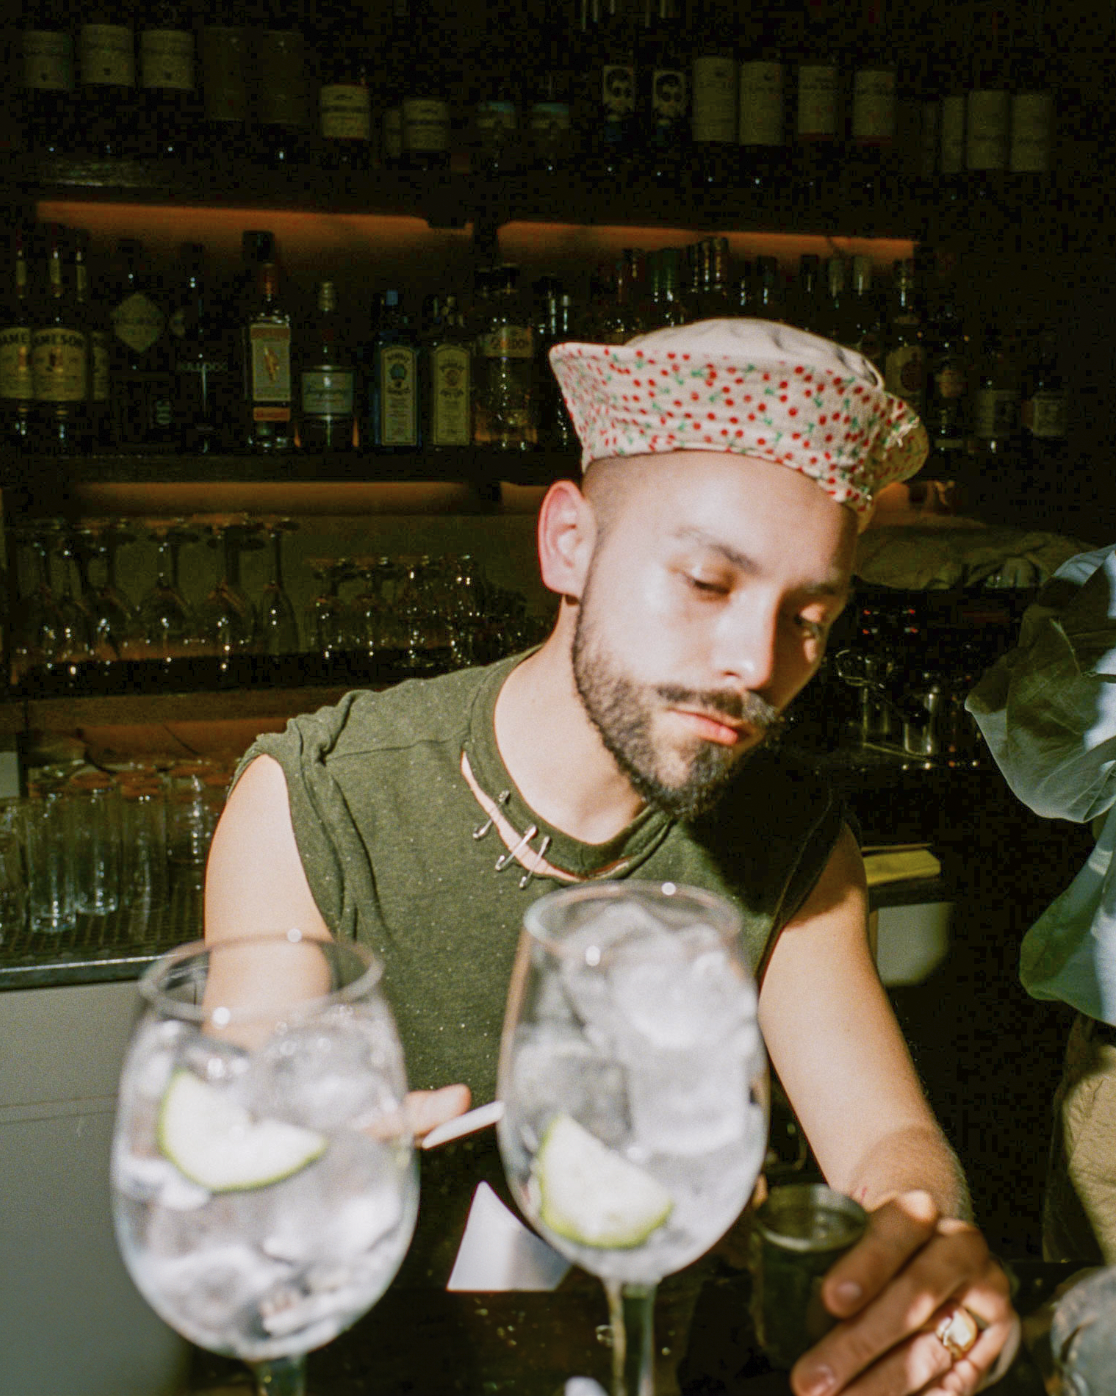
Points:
[(714, 728)]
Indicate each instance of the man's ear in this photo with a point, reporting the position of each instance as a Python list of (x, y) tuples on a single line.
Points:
[(567, 536)]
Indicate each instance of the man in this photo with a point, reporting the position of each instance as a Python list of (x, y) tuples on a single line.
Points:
[(1048, 712), (700, 567)]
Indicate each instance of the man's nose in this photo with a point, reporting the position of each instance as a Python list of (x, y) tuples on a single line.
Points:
[(749, 646)]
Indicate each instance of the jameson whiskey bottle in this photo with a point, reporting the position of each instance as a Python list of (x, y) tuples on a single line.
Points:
[(448, 376), (168, 79), (715, 83), (206, 388), (283, 94), (17, 391), (267, 366), (344, 98), (48, 77), (59, 357), (505, 398), (107, 69), (224, 53), (93, 321), (326, 379), (142, 386), (905, 359), (392, 385)]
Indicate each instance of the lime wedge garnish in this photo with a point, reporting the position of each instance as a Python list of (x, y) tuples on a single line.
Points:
[(591, 1194), (216, 1143)]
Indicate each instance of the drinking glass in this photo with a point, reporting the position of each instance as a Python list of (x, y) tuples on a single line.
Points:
[(634, 1083), (36, 624), (263, 1179), (278, 626), (226, 619), (166, 620), (327, 622), (112, 614)]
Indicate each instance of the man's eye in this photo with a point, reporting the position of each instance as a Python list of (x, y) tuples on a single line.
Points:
[(816, 629), (706, 587)]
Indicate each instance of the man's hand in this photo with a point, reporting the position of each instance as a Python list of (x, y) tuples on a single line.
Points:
[(891, 1291), (427, 1109)]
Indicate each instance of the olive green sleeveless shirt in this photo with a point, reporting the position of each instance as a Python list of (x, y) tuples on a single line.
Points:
[(395, 847)]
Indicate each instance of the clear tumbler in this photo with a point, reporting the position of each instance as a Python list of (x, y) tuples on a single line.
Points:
[(45, 822), (94, 810)]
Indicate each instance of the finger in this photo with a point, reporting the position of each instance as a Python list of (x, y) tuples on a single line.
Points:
[(425, 1109), (895, 1232), (987, 1360)]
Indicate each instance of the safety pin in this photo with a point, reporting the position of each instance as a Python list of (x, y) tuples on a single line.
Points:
[(482, 829), (505, 858), (531, 871)]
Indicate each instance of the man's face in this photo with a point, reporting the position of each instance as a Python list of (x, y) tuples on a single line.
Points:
[(706, 607)]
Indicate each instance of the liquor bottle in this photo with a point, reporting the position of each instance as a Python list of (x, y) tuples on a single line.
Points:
[(59, 356), (17, 389), (988, 102), (818, 104), (48, 77), (667, 307), (396, 64), (344, 98), (553, 325), (620, 317), (392, 378), (496, 148), (327, 380), (266, 356), (831, 314), (142, 382), (762, 106), (505, 399), (1032, 104), (447, 376), (948, 374), (714, 94), (872, 129), (664, 80), (283, 95), (425, 101), (608, 106), (206, 386), (767, 283), (905, 357), (1044, 413), (955, 64), (803, 308), (107, 71), (224, 57), (549, 121), (996, 399), (94, 322), (860, 319), (167, 78)]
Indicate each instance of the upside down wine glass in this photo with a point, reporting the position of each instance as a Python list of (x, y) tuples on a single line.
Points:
[(634, 1083), (263, 1177)]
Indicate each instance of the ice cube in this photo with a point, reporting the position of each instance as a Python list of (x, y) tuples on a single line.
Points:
[(204, 1286), (318, 1075), (558, 1070), (585, 956), (156, 1180), (678, 991)]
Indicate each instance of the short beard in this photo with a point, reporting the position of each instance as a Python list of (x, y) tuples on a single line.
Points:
[(622, 711)]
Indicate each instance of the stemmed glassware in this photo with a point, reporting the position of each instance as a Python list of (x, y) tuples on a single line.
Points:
[(327, 616), (166, 620), (278, 627), (263, 1176), (112, 615), (36, 624), (75, 633), (635, 1091), (226, 619)]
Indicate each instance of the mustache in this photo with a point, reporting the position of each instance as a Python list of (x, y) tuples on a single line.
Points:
[(746, 707)]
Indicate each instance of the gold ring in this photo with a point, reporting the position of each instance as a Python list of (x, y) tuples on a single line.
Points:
[(957, 1332)]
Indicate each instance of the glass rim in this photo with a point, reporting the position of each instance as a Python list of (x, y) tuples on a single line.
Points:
[(152, 983), (724, 914)]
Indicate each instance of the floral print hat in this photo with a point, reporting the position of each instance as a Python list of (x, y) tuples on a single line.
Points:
[(753, 387)]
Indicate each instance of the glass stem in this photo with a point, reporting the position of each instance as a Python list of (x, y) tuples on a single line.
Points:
[(282, 1376), (631, 1311)]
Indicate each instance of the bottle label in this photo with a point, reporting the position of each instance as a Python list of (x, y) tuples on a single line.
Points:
[(108, 55), (426, 126), (327, 392), (495, 117), (1045, 416), (873, 114), (226, 92), (550, 118), (668, 95), (986, 141), (138, 322), (995, 412), (761, 104), (1032, 130), (269, 348), (507, 342), (617, 89), (905, 373), (949, 382), (58, 363), (98, 366), (393, 133), (167, 59), (449, 413), (953, 135), (346, 112), (48, 60), (15, 363), (714, 99), (817, 102), (398, 396), (281, 100)]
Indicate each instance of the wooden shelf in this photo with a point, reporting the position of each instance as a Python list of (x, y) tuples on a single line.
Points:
[(142, 709)]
